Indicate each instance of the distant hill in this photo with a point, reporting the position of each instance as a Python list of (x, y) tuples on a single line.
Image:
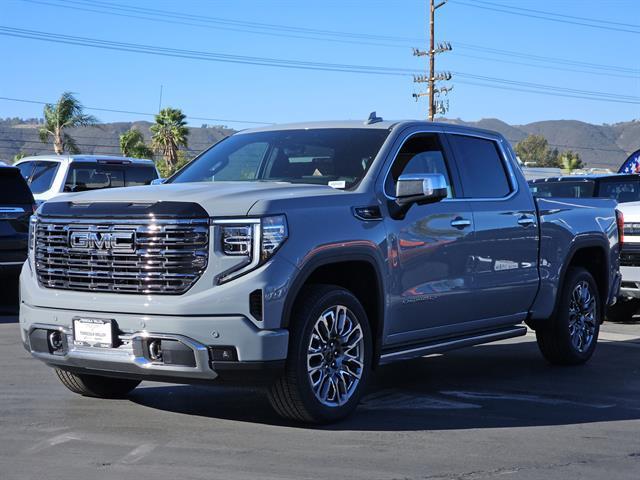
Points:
[(598, 145), (103, 140)]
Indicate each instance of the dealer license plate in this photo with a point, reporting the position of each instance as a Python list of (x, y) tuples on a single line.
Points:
[(93, 332)]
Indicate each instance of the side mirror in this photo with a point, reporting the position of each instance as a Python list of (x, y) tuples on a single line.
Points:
[(421, 188), (158, 181), (417, 188)]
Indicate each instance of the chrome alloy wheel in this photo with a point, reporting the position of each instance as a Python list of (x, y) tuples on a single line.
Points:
[(335, 356), (582, 316)]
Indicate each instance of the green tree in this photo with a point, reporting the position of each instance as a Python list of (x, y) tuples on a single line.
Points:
[(571, 160), (534, 150), (19, 156), (132, 145), (166, 171), (168, 134), (66, 113)]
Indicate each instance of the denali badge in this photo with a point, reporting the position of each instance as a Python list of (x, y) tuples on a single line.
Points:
[(122, 242)]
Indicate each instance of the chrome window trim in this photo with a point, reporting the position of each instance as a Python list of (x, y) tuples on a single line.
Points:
[(395, 155), (505, 158), (506, 161)]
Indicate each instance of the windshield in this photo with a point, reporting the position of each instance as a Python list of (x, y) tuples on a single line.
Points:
[(338, 157)]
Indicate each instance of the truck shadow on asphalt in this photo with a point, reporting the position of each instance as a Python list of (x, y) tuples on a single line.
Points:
[(491, 386)]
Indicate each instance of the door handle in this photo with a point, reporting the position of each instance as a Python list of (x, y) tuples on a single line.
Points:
[(526, 220), (460, 223)]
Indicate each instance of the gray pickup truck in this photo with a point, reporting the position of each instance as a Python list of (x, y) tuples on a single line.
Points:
[(302, 257)]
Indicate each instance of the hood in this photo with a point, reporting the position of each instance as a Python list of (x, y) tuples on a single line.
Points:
[(217, 198)]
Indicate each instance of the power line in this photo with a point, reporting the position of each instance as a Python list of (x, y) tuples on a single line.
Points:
[(560, 15), (546, 16), (322, 35), (129, 112), (273, 62)]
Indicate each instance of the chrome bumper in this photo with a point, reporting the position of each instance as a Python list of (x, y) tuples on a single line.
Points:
[(126, 359)]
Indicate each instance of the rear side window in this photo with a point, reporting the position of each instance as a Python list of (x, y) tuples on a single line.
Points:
[(482, 167), (622, 190), (135, 175), (42, 176), (562, 189), (92, 176), (13, 188), (25, 169)]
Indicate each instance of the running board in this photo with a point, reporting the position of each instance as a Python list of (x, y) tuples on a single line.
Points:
[(451, 344)]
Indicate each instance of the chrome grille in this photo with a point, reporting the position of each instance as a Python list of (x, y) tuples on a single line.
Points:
[(168, 256)]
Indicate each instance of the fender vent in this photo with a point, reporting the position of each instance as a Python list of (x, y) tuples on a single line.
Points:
[(255, 304)]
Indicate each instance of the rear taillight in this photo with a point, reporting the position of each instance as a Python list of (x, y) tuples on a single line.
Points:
[(620, 222)]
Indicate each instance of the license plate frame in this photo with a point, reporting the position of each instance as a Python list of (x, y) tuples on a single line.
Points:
[(94, 332)]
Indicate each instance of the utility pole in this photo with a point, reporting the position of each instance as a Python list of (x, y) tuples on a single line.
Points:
[(431, 78)]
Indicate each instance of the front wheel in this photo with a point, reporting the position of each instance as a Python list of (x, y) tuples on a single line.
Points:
[(570, 337), (95, 385), (329, 357)]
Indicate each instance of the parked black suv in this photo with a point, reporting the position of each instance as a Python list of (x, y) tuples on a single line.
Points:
[(16, 206)]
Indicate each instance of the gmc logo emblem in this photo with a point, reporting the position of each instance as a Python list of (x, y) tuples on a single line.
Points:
[(121, 242)]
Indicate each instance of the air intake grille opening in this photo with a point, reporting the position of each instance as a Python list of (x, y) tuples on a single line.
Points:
[(255, 304)]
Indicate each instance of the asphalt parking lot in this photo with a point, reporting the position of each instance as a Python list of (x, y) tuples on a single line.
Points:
[(494, 411)]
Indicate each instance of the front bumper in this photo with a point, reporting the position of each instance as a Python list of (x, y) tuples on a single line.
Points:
[(199, 336), (630, 282)]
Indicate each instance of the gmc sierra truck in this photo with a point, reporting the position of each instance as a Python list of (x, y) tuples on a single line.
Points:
[(302, 257)]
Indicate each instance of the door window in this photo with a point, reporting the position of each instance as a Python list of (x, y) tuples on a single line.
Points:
[(420, 154), (481, 167)]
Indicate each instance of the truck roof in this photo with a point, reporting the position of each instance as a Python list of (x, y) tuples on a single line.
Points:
[(377, 125), (87, 158)]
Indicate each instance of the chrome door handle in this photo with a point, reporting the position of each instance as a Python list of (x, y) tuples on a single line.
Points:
[(525, 221), (460, 223)]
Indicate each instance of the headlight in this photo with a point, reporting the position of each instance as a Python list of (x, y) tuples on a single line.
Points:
[(254, 240), (33, 225)]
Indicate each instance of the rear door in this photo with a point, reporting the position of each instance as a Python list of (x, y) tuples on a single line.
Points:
[(16, 206), (505, 245)]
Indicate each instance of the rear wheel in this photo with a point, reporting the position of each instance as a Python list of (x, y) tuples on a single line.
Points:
[(623, 310), (570, 337), (95, 385), (329, 357)]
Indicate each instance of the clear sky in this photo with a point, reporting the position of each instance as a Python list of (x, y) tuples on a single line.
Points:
[(503, 52)]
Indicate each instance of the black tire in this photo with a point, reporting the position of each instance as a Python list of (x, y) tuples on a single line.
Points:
[(554, 337), (292, 396), (96, 386), (624, 310)]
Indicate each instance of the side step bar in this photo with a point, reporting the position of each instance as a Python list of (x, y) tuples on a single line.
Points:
[(444, 345)]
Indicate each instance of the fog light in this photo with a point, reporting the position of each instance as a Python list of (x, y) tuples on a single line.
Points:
[(223, 354), (155, 350), (55, 341)]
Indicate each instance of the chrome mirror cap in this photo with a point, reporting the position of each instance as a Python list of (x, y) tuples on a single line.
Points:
[(421, 188)]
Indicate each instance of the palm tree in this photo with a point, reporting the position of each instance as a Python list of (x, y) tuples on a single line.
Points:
[(169, 133), (571, 161), (67, 113), (132, 145)]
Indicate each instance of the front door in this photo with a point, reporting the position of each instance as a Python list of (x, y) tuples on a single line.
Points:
[(428, 249)]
